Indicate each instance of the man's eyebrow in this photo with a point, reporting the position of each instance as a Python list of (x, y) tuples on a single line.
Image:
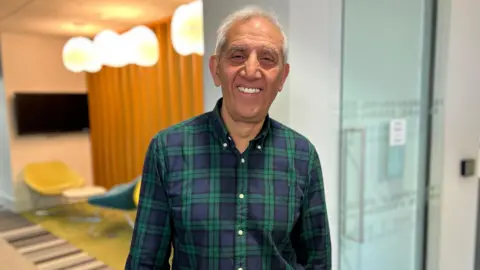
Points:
[(271, 50), (242, 48), (235, 48)]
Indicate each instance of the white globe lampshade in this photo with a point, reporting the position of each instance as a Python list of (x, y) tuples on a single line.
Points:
[(78, 55), (142, 46), (187, 29), (129, 43), (110, 49), (94, 65)]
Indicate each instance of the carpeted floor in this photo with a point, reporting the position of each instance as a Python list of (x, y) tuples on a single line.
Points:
[(41, 248), (107, 241)]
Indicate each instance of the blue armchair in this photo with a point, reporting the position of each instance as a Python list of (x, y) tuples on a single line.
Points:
[(119, 197)]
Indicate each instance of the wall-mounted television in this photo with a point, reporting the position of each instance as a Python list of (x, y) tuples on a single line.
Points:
[(45, 113)]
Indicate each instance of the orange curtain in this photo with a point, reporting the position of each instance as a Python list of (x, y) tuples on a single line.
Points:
[(129, 105)]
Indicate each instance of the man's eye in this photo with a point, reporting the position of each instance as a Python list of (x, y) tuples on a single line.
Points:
[(237, 57)]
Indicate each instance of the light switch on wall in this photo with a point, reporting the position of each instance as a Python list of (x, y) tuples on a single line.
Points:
[(467, 167)]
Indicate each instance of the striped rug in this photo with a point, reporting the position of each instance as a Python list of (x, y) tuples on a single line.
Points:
[(42, 248)]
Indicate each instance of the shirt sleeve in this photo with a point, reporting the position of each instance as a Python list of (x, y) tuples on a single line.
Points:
[(150, 245), (311, 235)]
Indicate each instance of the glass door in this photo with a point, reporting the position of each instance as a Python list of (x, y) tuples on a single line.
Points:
[(384, 144)]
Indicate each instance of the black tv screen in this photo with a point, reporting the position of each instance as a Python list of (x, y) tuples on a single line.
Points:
[(41, 113)]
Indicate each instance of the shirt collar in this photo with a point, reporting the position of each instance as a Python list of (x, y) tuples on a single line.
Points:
[(221, 132)]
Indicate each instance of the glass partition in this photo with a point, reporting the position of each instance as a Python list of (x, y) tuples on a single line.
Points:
[(385, 101)]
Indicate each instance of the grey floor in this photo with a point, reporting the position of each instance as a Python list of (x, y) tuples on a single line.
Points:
[(31, 245), (10, 221)]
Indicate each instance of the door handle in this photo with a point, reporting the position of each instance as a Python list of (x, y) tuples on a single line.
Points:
[(358, 234)]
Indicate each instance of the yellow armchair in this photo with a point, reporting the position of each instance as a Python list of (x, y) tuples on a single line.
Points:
[(51, 178), (136, 193)]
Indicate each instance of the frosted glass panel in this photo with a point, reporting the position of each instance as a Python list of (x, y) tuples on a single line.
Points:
[(384, 111)]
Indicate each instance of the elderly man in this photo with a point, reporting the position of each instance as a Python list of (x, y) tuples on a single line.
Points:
[(233, 188)]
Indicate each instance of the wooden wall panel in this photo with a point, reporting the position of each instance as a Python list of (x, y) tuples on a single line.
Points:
[(129, 105)]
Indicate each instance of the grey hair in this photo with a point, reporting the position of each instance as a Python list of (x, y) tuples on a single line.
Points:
[(245, 14)]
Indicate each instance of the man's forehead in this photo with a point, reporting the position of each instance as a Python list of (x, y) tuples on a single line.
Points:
[(254, 32), (256, 26)]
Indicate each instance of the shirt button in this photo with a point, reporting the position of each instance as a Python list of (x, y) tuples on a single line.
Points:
[(225, 145), (259, 147), (240, 232), (243, 160), (241, 196), (240, 268)]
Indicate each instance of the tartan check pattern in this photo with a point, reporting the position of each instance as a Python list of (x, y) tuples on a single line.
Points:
[(220, 209)]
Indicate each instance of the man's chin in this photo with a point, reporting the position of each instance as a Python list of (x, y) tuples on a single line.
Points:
[(246, 112), (251, 116)]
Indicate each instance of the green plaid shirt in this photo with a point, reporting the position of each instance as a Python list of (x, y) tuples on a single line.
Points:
[(221, 209)]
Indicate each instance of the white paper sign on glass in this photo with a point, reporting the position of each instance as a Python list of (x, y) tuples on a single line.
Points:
[(398, 132)]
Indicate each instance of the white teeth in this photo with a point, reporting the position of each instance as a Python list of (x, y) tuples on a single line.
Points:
[(248, 90)]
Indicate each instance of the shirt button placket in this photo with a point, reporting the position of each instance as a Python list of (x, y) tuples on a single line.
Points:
[(241, 230)]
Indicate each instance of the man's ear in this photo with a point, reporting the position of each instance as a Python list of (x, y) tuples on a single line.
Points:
[(286, 71), (213, 65)]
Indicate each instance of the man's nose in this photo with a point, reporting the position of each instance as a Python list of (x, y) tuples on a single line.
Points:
[(251, 70)]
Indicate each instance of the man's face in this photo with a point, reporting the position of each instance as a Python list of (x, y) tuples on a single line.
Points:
[(250, 69)]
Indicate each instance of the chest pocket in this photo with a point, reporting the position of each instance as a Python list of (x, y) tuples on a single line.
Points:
[(274, 203)]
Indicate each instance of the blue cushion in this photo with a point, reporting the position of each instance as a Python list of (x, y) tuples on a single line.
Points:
[(118, 197)]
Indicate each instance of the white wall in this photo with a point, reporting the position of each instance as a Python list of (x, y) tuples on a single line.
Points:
[(314, 96), (33, 63), (457, 82), (309, 103)]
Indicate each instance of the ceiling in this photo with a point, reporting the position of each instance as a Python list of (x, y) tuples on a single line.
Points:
[(81, 17)]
